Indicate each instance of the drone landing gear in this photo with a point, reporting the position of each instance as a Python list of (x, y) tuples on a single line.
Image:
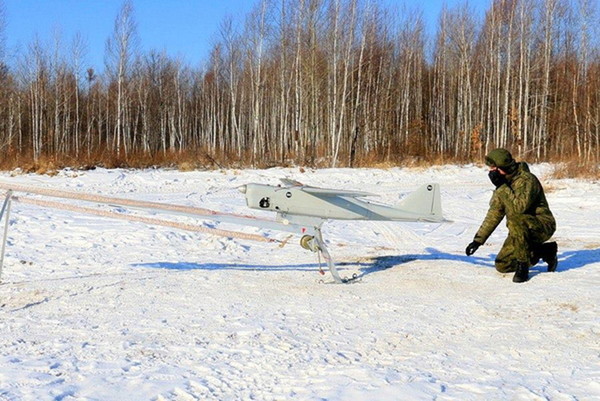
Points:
[(317, 244)]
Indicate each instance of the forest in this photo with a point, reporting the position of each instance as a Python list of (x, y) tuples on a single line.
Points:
[(322, 83)]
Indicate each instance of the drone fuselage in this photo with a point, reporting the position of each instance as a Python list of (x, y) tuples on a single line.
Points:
[(338, 204)]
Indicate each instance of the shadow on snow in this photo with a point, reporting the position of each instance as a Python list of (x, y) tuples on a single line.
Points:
[(226, 266), (575, 259), (365, 267), (567, 261)]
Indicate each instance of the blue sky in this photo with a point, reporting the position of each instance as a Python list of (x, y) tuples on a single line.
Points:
[(183, 28)]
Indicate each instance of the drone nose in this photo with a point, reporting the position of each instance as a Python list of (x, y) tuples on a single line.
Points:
[(242, 189)]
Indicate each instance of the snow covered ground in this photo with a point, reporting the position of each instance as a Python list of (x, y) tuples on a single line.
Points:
[(100, 309)]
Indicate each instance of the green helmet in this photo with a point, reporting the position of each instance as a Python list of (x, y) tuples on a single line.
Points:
[(502, 159)]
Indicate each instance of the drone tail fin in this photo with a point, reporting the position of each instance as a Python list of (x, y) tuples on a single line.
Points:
[(425, 201)]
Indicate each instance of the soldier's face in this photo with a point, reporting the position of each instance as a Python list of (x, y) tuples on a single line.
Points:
[(494, 168)]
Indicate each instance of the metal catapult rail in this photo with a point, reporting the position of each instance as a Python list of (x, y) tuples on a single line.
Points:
[(317, 243)]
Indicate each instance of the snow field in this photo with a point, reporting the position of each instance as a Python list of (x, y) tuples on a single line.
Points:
[(100, 309)]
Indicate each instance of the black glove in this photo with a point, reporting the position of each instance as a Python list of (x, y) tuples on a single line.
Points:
[(496, 178), (472, 247)]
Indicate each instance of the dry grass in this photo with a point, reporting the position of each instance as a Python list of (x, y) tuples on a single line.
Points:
[(202, 160), (576, 169), (184, 161)]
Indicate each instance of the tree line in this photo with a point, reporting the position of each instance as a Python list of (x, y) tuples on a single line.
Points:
[(319, 83)]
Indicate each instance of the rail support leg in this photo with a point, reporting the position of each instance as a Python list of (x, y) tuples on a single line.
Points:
[(5, 210), (325, 252)]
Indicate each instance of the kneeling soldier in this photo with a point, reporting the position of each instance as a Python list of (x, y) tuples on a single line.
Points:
[(520, 197)]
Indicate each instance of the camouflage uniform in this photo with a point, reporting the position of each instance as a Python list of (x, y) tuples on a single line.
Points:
[(528, 218)]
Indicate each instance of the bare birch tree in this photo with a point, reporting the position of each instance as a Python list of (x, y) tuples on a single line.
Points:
[(120, 49)]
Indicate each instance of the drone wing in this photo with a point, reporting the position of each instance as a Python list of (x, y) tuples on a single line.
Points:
[(291, 183), (335, 192)]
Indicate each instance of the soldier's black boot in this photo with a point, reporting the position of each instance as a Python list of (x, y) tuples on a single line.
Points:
[(548, 254), (521, 273)]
